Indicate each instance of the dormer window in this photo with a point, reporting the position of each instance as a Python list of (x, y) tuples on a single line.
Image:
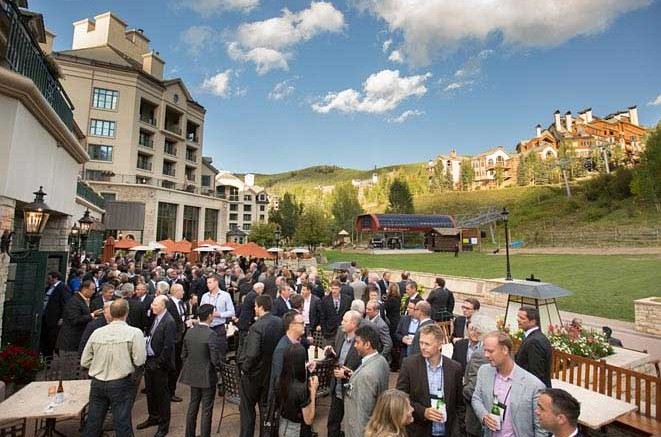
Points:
[(176, 98)]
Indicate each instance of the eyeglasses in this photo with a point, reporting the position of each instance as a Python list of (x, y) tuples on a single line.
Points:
[(466, 308)]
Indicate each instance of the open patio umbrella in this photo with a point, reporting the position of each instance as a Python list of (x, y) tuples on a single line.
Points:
[(299, 251), (125, 244), (108, 249), (252, 249), (223, 249), (205, 249), (183, 246), (140, 248), (169, 245), (541, 295), (156, 245)]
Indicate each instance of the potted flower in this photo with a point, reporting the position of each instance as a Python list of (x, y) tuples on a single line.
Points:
[(18, 366), (575, 340)]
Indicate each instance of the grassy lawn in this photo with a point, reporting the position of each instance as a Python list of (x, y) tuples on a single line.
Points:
[(603, 285)]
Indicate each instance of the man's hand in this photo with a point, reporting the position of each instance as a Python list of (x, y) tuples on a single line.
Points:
[(408, 340), (318, 328), (433, 415), (490, 422)]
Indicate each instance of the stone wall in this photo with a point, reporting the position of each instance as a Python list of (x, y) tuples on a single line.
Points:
[(7, 207), (647, 314)]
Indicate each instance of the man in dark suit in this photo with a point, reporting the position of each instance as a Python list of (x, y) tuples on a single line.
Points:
[(246, 315), (311, 305), (201, 358), (558, 413), (199, 283), (160, 361), (137, 315), (270, 288), (56, 296), (468, 308), (442, 302), (93, 325), (293, 325), (107, 294), (317, 287), (383, 284), (144, 299), (281, 304), (262, 339), (428, 370), (75, 318), (406, 329), (178, 309), (332, 309), (348, 360), (534, 354), (345, 288), (403, 282), (465, 348), (423, 314), (412, 294)]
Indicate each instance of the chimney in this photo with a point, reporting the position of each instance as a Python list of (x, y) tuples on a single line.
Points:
[(453, 153), (558, 125), (47, 46), (538, 131), (568, 121), (588, 115), (153, 64), (633, 115), (249, 179), (375, 178)]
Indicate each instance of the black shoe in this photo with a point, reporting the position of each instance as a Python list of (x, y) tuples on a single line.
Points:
[(161, 433), (147, 424), (176, 399)]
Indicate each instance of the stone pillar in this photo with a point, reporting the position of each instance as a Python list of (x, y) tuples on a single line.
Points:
[(7, 209), (56, 234), (200, 223), (647, 315), (179, 226)]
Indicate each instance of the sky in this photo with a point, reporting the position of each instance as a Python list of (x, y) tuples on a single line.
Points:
[(364, 83)]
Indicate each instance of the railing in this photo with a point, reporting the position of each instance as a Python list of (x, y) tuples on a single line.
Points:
[(149, 119), (192, 138), (133, 179), (192, 157), (144, 165), (170, 150), (84, 191), (146, 143), (169, 172), (173, 128), (24, 56), (640, 389)]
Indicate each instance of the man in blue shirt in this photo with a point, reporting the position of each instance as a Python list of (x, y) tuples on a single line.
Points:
[(224, 310)]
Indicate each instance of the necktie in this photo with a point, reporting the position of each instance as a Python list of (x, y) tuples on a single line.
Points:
[(337, 307), (182, 310)]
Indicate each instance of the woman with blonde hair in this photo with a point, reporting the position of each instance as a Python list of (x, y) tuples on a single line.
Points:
[(393, 411)]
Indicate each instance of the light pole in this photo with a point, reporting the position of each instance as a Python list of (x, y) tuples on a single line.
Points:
[(85, 225), (505, 214), (276, 235)]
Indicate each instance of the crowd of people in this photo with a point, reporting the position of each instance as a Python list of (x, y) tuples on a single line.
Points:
[(168, 322)]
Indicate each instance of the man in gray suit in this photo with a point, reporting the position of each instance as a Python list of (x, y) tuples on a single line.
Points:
[(367, 382), (373, 315), (423, 314), (503, 387), (201, 357)]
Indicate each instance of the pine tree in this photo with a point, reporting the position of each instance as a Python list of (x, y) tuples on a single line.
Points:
[(345, 206), (400, 200), (467, 175)]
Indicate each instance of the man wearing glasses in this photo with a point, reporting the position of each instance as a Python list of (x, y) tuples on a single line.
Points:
[(468, 308)]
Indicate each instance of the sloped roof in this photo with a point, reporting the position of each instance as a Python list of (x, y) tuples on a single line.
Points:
[(103, 54)]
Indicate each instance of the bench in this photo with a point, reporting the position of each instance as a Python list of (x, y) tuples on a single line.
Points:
[(638, 422)]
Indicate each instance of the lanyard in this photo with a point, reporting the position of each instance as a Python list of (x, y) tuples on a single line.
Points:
[(504, 401)]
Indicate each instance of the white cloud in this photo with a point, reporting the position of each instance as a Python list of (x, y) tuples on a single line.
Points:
[(473, 66), (382, 92), (219, 84), (656, 102), (457, 85), (386, 46), (196, 38), (282, 90), (435, 27), (396, 56), (206, 7), (406, 115), (268, 43)]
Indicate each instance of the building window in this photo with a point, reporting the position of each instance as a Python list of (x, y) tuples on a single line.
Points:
[(169, 168), (234, 206), (105, 99), (233, 226), (206, 180), (261, 218), (144, 162), (98, 175), (109, 197), (98, 152), (246, 226), (210, 223), (166, 221), (191, 222), (261, 198), (247, 208), (170, 148), (234, 216), (102, 128), (168, 184), (247, 198), (247, 217), (262, 208)]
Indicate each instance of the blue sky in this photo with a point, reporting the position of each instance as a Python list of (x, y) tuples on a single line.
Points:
[(360, 83)]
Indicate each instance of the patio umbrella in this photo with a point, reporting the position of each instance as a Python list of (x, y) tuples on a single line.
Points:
[(252, 249), (208, 242), (169, 245), (156, 245), (140, 248), (193, 257), (205, 249), (223, 248), (541, 295), (183, 246), (126, 243), (300, 251), (108, 249)]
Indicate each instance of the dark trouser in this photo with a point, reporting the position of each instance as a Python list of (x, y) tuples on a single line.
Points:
[(173, 375), (222, 340), (206, 397), (335, 416), (48, 339), (158, 395), (306, 430), (243, 336), (251, 394), (116, 394)]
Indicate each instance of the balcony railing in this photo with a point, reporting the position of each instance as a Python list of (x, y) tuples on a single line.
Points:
[(169, 171), (24, 56), (148, 118), (144, 165), (85, 192), (192, 138), (192, 157), (146, 143), (170, 150), (173, 128)]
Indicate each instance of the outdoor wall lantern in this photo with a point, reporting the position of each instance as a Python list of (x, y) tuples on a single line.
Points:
[(85, 225), (35, 217)]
